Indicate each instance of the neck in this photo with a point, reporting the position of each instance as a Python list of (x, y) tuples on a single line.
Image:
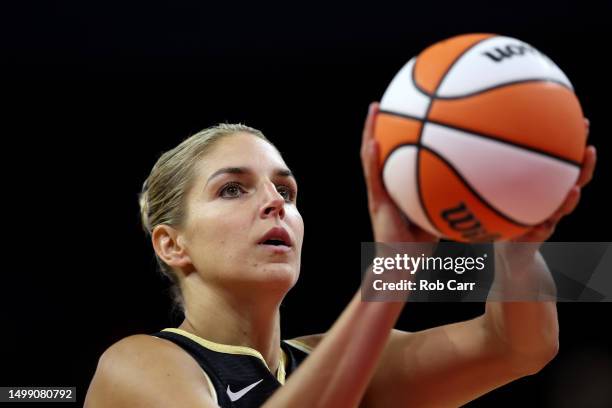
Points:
[(222, 317)]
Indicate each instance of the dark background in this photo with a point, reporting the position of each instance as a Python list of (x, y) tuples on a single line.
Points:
[(94, 92)]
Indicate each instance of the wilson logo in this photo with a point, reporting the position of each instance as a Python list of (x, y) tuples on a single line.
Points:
[(462, 220), (498, 54)]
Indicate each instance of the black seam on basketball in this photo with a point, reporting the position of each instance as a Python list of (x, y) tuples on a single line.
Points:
[(418, 177), (431, 95), (450, 66), (399, 147), (473, 189), (418, 158), (506, 142), (401, 115), (522, 81), (438, 230), (494, 138), (414, 81)]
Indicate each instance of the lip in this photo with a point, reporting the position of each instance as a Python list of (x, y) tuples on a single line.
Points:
[(275, 249), (278, 233)]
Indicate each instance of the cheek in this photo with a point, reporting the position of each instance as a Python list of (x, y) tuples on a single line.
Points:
[(216, 246), (215, 232), (218, 231), (296, 222)]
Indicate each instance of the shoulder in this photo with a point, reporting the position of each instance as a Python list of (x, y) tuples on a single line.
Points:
[(143, 370), (143, 351)]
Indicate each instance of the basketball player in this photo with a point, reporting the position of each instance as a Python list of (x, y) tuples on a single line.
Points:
[(221, 209)]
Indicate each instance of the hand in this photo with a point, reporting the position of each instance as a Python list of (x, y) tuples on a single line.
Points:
[(544, 230), (389, 224)]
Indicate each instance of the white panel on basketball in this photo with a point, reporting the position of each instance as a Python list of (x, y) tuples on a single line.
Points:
[(495, 61), (399, 176), (403, 97), (524, 185)]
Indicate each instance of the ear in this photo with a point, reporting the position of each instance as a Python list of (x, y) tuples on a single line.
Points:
[(170, 248)]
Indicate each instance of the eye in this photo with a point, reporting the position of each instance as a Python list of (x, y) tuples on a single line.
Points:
[(231, 190), (287, 192)]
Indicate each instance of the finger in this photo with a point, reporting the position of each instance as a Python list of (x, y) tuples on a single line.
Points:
[(539, 233), (368, 128), (543, 233), (370, 157), (376, 189), (367, 136), (572, 201), (535, 234), (587, 125), (569, 205), (588, 166)]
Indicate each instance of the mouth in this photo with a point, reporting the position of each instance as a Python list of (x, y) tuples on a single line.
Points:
[(277, 238), (274, 242)]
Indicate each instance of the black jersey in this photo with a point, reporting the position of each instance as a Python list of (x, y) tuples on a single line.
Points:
[(237, 376)]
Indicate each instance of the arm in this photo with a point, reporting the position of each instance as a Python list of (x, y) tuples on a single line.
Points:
[(444, 366), (451, 365), (456, 363), (338, 371), (530, 328)]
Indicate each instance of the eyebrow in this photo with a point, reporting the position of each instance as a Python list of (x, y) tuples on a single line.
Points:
[(280, 172)]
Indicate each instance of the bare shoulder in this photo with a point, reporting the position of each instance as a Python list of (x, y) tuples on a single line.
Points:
[(143, 370)]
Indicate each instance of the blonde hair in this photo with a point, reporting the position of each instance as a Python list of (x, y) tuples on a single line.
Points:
[(162, 199)]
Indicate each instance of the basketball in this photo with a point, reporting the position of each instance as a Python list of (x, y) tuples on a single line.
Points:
[(481, 137)]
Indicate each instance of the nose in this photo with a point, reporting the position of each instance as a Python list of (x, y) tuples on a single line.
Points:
[(274, 203)]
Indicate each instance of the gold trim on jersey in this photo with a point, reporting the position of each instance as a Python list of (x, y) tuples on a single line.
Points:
[(300, 346), (211, 387), (280, 374), (230, 349)]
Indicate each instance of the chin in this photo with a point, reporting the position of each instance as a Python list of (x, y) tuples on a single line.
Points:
[(280, 276)]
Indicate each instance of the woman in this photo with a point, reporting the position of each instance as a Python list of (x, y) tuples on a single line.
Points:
[(221, 211)]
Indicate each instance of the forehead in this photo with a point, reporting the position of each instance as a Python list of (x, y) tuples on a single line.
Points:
[(241, 150)]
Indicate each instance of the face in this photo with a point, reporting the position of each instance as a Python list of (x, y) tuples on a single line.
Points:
[(243, 192)]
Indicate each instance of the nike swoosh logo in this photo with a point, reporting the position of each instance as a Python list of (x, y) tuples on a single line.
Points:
[(235, 396)]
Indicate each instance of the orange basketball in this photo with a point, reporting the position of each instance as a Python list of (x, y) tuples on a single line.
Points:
[(481, 137)]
